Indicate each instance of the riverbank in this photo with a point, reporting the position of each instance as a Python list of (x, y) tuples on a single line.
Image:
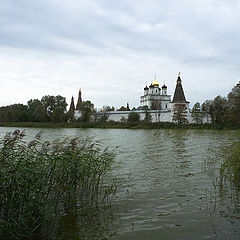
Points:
[(121, 125)]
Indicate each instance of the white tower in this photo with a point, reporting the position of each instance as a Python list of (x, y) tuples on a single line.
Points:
[(164, 90), (146, 89)]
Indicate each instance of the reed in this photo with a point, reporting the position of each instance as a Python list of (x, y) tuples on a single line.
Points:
[(230, 167), (41, 183)]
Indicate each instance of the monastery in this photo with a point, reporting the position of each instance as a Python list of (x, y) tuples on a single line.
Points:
[(155, 100)]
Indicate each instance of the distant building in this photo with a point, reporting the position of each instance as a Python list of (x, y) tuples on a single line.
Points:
[(79, 102), (154, 97), (179, 96), (155, 100), (72, 105), (122, 108), (77, 112)]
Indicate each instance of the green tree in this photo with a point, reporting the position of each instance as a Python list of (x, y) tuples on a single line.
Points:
[(14, 113), (86, 108), (180, 113), (123, 120), (233, 112), (57, 115), (207, 109), (133, 117), (52, 104), (104, 117), (69, 116), (197, 113), (35, 113), (219, 109), (148, 117), (39, 114)]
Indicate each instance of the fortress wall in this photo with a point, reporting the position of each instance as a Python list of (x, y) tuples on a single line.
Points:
[(162, 116)]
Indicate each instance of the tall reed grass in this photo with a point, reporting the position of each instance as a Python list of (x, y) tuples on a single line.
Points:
[(45, 187), (230, 167)]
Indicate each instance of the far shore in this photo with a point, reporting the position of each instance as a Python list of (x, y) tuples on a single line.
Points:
[(121, 125)]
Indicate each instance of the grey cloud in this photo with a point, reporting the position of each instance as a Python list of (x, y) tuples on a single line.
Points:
[(187, 34), (185, 31)]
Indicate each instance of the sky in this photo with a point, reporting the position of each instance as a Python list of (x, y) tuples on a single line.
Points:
[(112, 49)]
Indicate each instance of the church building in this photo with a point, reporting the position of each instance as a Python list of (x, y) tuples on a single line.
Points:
[(155, 98)]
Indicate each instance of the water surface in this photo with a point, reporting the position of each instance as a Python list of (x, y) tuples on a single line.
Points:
[(170, 187)]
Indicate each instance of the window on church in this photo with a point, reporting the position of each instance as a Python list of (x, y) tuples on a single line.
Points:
[(166, 105)]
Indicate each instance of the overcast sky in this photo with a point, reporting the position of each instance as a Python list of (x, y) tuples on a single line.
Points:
[(111, 49)]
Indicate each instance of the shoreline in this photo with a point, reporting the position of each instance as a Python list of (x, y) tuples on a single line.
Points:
[(119, 125)]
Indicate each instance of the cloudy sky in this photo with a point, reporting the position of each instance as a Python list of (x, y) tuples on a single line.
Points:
[(111, 49)]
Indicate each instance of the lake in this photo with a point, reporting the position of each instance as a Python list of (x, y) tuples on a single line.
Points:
[(170, 182)]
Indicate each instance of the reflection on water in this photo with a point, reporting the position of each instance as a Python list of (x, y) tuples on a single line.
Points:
[(169, 188)]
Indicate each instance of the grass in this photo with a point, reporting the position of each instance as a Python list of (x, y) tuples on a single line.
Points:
[(45, 187), (230, 167)]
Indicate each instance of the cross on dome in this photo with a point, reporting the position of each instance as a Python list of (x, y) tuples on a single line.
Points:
[(155, 83)]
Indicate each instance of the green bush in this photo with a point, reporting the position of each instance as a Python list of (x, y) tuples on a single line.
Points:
[(133, 117), (42, 183)]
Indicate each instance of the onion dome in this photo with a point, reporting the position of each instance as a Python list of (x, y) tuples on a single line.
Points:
[(155, 83), (146, 88), (164, 86), (151, 86)]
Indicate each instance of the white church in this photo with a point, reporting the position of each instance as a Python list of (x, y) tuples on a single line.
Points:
[(155, 97)]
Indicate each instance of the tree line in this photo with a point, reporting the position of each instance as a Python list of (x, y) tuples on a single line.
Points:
[(220, 110), (48, 109)]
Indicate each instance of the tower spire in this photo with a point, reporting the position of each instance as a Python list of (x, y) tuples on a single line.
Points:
[(179, 96), (79, 102), (72, 105), (128, 106), (179, 77)]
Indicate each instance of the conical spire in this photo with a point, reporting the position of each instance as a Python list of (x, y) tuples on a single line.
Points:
[(79, 102), (72, 105), (128, 107), (179, 96)]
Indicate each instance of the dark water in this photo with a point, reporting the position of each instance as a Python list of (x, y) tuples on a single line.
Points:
[(170, 182)]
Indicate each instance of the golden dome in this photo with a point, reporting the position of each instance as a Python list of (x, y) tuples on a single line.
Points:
[(155, 83)]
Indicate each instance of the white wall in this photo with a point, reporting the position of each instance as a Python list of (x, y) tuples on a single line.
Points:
[(165, 116), (157, 116)]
